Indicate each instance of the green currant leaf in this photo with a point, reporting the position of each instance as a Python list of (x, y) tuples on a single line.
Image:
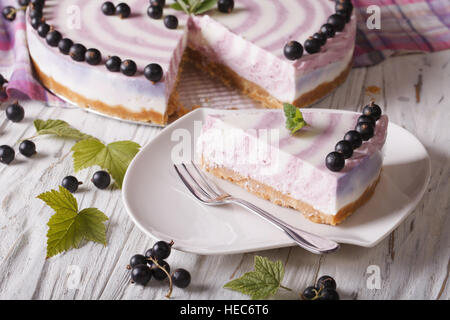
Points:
[(59, 128), (183, 5), (114, 157), (294, 118), (205, 6)]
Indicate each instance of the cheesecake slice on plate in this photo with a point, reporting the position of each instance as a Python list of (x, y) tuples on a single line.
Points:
[(325, 170)]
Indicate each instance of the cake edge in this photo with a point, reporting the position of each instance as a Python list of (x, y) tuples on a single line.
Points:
[(232, 80), (268, 193)]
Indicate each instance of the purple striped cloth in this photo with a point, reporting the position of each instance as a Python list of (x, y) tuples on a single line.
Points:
[(405, 25)]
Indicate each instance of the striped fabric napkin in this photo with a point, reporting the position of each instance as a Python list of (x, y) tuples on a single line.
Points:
[(405, 25)]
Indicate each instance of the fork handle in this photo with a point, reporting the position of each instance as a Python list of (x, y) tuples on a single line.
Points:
[(313, 243)]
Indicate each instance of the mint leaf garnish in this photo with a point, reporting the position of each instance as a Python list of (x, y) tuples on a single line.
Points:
[(59, 128), (68, 227), (261, 283), (114, 157), (193, 6), (294, 118)]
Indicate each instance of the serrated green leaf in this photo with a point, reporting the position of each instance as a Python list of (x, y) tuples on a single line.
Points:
[(294, 118), (114, 157), (68, 227), (261, 283), (59, 128), (176, 6), (205, 6), (183, 5)]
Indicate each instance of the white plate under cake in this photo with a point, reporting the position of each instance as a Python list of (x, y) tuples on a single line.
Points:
[(244, 48)]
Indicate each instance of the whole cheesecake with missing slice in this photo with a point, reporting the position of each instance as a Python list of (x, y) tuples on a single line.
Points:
[(255, 150)]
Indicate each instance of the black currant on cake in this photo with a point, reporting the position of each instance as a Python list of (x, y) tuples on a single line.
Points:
[(64, 45), (128, 67), (335, 161), (372, 110), (345, 148), (70, 183), (53, 38), (36, 13), (225, 6), (123, 10), (27, 148), (108, 8), (366, 130), (171, 21), (293, 50), (113, 64), (328, 30), (312, 45), (43, 29), (158, 3), (35, 22), (9, 13), (93, 56), (320, 37), (337, 21), (77, 52), (368, 119), (24, 3), (153, 72), (7, 154), (155, 12), (354, 137), (15, 112), (101, 179)]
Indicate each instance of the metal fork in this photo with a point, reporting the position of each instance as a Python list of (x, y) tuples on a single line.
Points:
[(209, 193)]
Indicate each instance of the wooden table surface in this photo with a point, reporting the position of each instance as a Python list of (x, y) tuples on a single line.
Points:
[(413, 261)]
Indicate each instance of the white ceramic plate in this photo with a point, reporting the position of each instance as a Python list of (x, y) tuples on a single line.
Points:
[(162, 207)]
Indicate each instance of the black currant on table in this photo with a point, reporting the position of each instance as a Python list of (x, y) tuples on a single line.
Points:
[(43, 29), (141, 274), (149, 253), (27, 148), (312, 45), (108, 8), (77, 52), (36, 13), (225, 6), (366, 130), (93, 56), (153, 72), (64, 45), (53, 38), (337, 21), (7, 154), (326, 282), (171, 21), (101, 179), (123, 10), (9, 13), (15, 112), (128, 67), (155, 12), (293, 50), (328, 30), (137, 259), (335, 161), (345, 148), (70, 183), (310, 293), (23, 3), (158, 3), (372, 110), (159, 274), (355, 138), (161, 250), (328, 294), (320, 37), (181, 278), (113, 64)]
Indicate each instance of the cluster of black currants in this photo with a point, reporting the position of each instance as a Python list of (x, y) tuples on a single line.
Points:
[(293, 50), (101, 179), (123, 10), (153, 265), (10, 12), (155, 11), (16, 113), (364, 130), (325, 289)]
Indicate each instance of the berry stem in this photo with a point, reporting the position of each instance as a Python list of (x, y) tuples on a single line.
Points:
[(169, 293), (285, 288)]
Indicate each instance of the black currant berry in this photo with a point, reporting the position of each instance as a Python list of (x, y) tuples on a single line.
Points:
[(293, 50), (335, 161), (43, 29), (101, 179), (113, 64), (344, 6), (368, 119), (93, 56), (366, 130), (15, 112), (27, 148), (345, 148), (108, 8), (345, 14), (329, 294), (123, 10), (159, 274), (328, 30), (128, 68), (64, 45), (7, 154), (149, 253), (141, 274), (310, 293), (36, 13), (24, 3), (77, 52), (53, 38), (171, 21), (225, 6), (158, 3), (70, 183), (373, 110), (155, 12), (181, 278), (161, 250), (312, 45), (137, 259), (326, 282), (35, 22), (337, 21), (9, 13), (39, 3), (320, 37), (153, 72), (354, 137)]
